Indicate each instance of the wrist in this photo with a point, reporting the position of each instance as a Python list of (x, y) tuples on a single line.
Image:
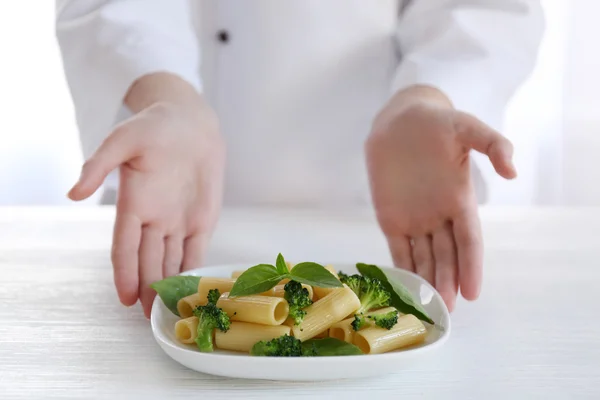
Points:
[(414, 96), (162, 87), (421, 95)]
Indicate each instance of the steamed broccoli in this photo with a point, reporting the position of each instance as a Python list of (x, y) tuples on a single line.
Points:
[(283, 346), (387, 320), (342, 276), (370, 291), (209, 318), (298, 299), (359, 322), (213, 296)]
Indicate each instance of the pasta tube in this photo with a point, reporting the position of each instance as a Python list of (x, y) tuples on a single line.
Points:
[(375, 340), (241, 336), (343, 329), (322, 292), (207, 283), (322, 314), (279, 291), (265, 310), (188, 304), (186, 330)]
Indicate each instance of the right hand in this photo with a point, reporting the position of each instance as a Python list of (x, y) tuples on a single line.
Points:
[(171, 159)]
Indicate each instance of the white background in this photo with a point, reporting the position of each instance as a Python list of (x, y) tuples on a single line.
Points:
[(39, 148)]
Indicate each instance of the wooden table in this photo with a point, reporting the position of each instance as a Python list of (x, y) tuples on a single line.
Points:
[(535, 332)]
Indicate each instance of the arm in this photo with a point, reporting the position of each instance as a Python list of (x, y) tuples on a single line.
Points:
[(476, 53), (107, 45)]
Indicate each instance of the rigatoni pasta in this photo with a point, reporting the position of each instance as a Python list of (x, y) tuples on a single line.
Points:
[(265, 310), (241, 336), (208, 282), (186, 305), (407, 331), (186, 329), (325, 312)]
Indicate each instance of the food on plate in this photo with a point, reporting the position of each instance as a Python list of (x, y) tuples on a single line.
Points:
[(293, 310)]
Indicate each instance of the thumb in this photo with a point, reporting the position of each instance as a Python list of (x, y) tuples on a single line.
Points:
[(118, 148), (473, 133)]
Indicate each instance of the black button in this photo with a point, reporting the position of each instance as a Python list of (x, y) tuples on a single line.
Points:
[(223, 36)]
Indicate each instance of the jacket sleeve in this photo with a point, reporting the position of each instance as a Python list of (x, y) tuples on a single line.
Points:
[(478, 52), (107, 44)]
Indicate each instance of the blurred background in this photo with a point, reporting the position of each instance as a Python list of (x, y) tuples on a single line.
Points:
[(40, 155)]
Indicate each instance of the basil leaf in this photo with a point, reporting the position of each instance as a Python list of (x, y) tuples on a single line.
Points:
[(255, 280), (329, 347), (314, 274), (174, 288), (281, 265), (401, 298)]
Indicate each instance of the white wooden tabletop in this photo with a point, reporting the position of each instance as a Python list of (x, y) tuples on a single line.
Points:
[(535, 332)]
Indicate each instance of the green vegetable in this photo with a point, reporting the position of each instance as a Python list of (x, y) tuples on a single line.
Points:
[(314, 274), (329, 347), (386, 321), (210, 317), (401, 298), (359, 322), (263, 277), (283, 346), (280, 265), (174, 288), (298, 299), (255, 280), (289, 346), (370, 291)]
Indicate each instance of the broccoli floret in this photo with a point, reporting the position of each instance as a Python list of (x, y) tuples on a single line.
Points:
[(298, 299), (283, 346), (359, 322), (213, 296), (210, 317), (370, 291), (387, 320), (342, 276)]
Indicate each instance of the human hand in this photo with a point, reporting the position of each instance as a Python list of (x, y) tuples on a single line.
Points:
[(418, 163), (171, 163)]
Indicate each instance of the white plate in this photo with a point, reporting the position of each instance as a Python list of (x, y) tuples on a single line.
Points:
[(241, 365)]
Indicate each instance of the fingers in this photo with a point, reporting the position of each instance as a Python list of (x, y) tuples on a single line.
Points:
[(423, 258), (126, 241), (469, 245), (173, 255), (151, 255), (446, 268), (401, 252), (194, 250), (475, 134), (117, 149)]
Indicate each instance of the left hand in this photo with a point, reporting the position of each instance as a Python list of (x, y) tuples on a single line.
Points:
[(419, 169)]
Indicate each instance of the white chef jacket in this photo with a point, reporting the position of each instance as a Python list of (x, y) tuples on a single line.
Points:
[(296, 83)]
